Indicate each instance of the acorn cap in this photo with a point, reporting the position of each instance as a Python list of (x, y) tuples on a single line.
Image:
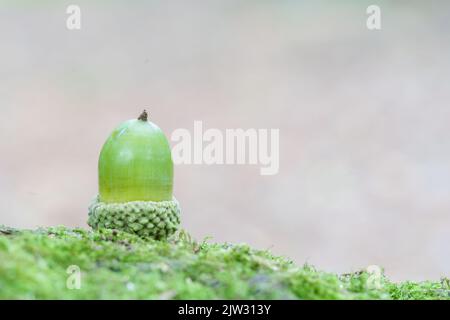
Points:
[(147, 219)]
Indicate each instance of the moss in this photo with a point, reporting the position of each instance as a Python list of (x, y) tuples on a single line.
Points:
[(117, 265)]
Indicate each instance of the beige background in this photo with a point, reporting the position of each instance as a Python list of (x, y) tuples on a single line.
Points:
[(363, 117)]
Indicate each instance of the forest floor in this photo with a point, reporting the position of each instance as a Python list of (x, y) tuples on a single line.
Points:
[(63, 263)]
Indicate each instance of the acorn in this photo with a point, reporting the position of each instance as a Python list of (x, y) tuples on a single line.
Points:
[(135, 174)]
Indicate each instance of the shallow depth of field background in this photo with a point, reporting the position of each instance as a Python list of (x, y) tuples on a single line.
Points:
[(363, 116)]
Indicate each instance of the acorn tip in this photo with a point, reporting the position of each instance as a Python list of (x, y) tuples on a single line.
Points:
[(143, 116)]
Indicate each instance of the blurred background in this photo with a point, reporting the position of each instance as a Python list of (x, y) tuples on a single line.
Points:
[(363, 116)]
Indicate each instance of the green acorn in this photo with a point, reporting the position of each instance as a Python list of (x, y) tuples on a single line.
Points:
[(136, 182)]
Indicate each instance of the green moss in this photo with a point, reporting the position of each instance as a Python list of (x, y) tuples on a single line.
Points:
[(116, 265)]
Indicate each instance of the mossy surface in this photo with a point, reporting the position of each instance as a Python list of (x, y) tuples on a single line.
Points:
[(117, 265)]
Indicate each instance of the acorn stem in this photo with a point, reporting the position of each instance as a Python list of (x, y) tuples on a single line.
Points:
[(143, 116)]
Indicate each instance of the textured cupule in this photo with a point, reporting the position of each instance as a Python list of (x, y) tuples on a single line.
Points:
[(147, 219)]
